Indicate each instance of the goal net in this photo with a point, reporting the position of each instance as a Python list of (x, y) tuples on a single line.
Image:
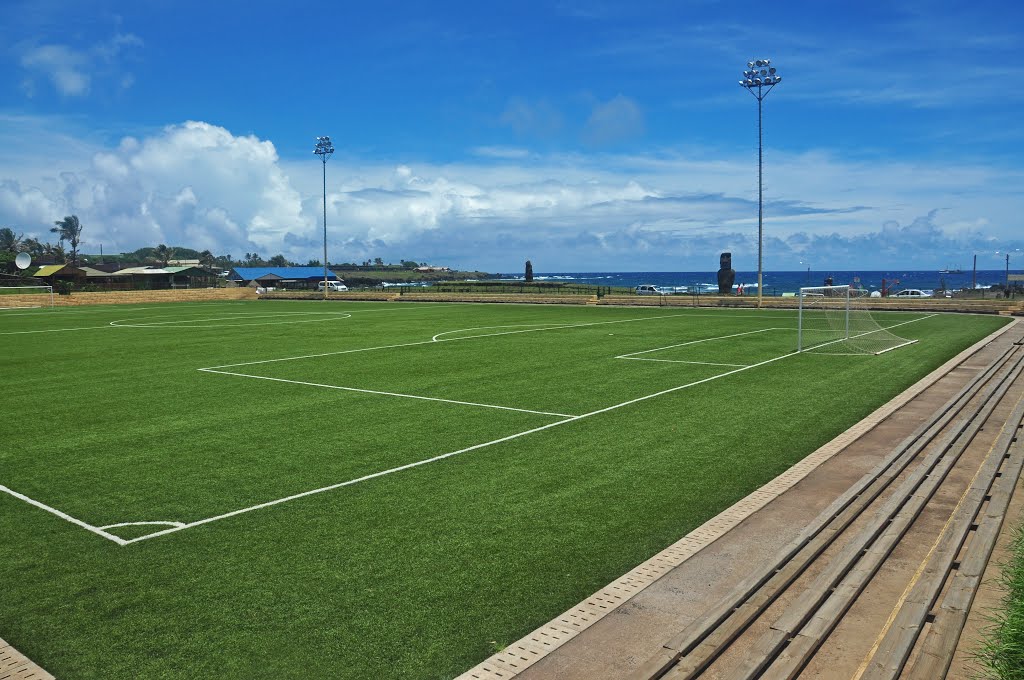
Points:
[(25, 297), (836, 320)]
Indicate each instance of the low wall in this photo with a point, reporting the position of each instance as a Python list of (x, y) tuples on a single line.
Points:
[(124, 297), (379, 296), (746, 301)]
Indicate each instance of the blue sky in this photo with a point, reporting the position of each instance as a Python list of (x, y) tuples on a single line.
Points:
[(583, 136)]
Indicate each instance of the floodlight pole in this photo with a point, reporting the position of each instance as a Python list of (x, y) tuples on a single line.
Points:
[(760, 74), (324, 149)]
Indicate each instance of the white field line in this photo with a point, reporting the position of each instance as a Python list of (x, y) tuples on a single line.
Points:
[(115, 324), (59, 330), (537, 326), (63, 515), (694, 342), (236, 317), (141, 524), (427, 342), (679, 361), (450, 454), (387, 394)]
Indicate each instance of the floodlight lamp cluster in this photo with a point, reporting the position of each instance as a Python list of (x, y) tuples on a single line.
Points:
[(324, 148), (760, 73)]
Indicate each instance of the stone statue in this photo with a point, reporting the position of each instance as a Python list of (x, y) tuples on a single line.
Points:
[(726, 274)]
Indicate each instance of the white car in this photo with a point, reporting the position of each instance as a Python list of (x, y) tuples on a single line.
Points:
[(333, 286), (647, 290), (912, 293)]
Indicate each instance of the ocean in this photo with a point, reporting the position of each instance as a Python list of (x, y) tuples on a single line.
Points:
[(777, 283)]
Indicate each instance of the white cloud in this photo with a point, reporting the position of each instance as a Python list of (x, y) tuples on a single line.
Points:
[(198, 185), (614, 121), (71, 70)]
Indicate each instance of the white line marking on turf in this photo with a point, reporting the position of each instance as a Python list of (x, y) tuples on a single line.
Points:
[(57, 330), (694, 342), (63, 515), (388, 394), (427, 342), (450, 454), (328, 316), (141, 524), (537, 326), (679, 361)]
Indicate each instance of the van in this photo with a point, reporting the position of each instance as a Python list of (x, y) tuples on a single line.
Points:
[(333, 286), (647, 289)]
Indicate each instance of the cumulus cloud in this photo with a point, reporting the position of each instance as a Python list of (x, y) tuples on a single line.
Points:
[(71, 70), (201, 186)]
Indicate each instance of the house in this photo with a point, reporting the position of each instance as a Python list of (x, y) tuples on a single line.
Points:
[(280, 277), (54, 273)]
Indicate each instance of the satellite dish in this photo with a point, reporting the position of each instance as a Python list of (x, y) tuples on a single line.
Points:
[(23, 260)]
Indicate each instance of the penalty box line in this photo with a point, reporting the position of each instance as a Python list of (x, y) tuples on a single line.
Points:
[(450, 454), (387, 394), (437, 339)]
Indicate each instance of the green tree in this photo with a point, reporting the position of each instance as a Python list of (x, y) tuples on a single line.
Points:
[(206, 259), (163, 254), (409, 264), (278, 261), (377, 262), (32, 246), (9, 241), (69, 229)]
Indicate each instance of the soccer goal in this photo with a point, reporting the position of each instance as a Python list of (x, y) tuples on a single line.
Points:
[(836, 320), (25, 297)]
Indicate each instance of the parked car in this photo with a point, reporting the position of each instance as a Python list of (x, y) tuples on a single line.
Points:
[(332, 286), (912, 293), (646, 289)]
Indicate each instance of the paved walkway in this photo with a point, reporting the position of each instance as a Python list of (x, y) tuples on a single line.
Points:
[(16, 666)]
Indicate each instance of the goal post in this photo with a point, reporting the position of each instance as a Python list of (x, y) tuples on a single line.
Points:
[(25, 297), (837, 320)]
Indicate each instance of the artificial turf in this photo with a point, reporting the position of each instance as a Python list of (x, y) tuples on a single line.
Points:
[(421, 573)]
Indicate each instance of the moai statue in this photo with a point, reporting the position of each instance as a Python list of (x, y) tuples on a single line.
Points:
[(726, 274)]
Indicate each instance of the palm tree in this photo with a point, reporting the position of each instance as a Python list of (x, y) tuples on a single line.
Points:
[(69, 229), (10, 242), (163, 254)]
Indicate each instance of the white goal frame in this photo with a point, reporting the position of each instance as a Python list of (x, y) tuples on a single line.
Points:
[(39, 296), (836, 303)]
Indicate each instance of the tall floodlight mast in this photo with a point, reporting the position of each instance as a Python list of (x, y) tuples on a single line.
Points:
[(324, 149), (759, 79)]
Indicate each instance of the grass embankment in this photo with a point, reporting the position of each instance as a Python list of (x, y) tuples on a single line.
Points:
[(1002, 652)]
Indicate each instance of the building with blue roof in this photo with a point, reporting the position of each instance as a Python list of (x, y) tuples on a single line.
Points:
[(280, 277)]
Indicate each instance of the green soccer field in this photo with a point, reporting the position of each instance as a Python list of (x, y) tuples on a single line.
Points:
[(310, 489)]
